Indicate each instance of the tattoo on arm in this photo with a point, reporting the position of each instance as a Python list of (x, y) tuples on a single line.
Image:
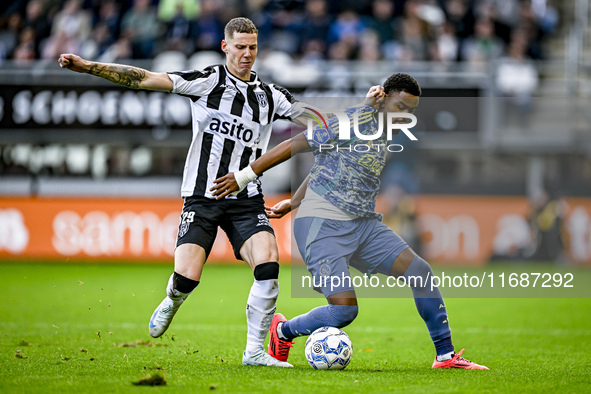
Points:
[(128, 76)]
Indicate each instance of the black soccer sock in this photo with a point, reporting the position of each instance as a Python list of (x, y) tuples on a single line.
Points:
[(430, 305), (183, 284), (266, 271)]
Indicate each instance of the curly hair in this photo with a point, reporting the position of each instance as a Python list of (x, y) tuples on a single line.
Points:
[(239, 25), (401, 82)]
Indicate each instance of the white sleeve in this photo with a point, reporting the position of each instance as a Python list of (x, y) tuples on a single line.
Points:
[(194, 83), (286, 106)]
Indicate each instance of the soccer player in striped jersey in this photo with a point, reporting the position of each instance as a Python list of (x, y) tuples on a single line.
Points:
[(232, 112), (336, 225)]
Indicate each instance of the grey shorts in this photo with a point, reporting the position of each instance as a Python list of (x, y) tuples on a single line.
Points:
[(329, 247)]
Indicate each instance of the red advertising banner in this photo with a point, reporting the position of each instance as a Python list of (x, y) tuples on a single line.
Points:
[(453, 229), (103, 228)]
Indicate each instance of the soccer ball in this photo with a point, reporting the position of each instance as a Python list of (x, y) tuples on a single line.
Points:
[(329, 348)]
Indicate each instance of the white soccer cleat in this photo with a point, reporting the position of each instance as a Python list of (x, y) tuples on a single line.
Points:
[(263, 359), (162, 316)]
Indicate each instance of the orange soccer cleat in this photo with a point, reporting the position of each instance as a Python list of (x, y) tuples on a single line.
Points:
[(457, 362), (278, 348)]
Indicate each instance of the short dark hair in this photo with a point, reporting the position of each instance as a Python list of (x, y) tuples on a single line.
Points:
[(402, 82), (239, 25)]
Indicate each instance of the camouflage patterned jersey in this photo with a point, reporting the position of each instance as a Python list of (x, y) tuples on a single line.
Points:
[(346, 172)]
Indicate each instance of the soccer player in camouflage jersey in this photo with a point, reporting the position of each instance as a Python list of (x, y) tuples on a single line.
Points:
[(348, 180), (336, 225)]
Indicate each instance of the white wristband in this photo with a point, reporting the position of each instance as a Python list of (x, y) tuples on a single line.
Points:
[(244, 177)]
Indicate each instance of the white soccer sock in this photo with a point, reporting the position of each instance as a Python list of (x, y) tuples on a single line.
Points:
[(173, 293), (260, 308), (445, 357), (280, 332)]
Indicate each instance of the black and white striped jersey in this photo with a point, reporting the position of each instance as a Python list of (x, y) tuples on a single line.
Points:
[(232, 122)]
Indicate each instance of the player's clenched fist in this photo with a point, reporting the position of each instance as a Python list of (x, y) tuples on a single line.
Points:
[(376, 91), (73, 62), (375, 96)]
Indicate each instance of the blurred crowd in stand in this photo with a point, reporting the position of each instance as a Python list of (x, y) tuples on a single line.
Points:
[(368, 30)]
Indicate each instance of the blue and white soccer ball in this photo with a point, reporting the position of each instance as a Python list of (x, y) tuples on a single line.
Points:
[(329, 348)]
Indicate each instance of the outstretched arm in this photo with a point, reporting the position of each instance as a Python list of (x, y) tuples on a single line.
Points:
[(284, 207), (298, 196), (374, 98), (237, 181), (129, 76), (311, 112)]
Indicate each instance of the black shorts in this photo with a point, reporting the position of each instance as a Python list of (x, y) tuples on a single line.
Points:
[(240, 220)]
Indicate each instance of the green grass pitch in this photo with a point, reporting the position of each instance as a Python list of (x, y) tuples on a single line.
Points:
[(84, 328)]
